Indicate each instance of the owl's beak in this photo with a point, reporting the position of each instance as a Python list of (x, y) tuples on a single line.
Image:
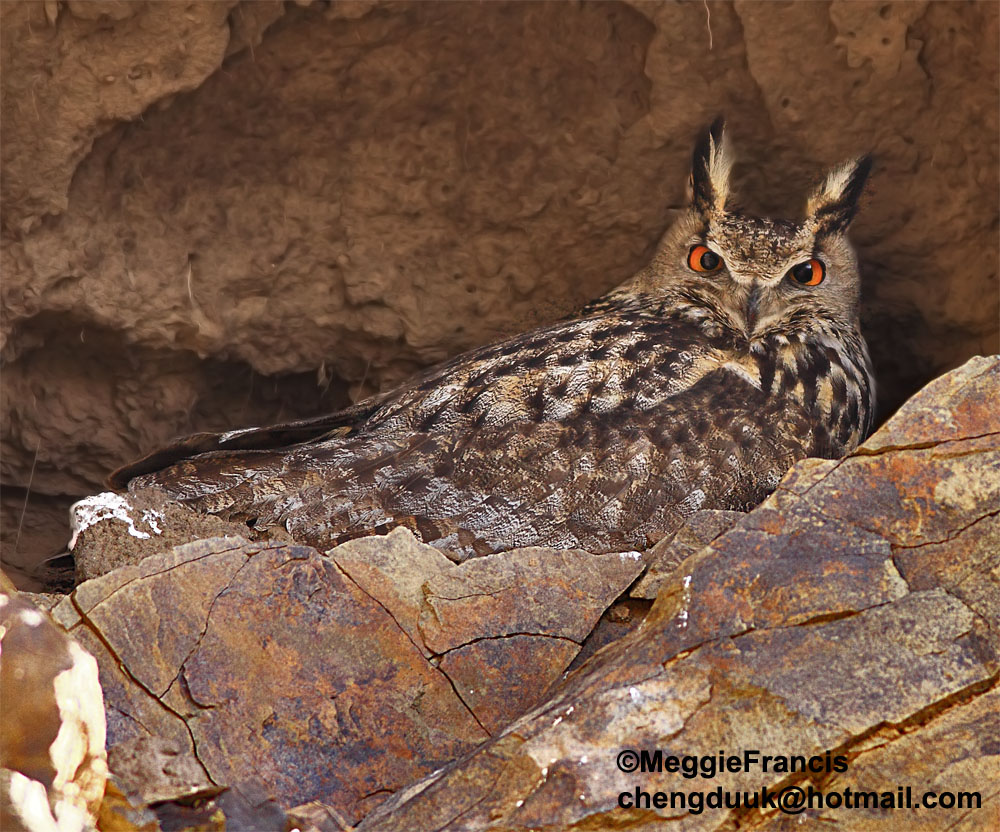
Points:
[(753, 307)]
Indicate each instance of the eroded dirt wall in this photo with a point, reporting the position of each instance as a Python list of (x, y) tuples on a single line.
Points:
[(217, 214)]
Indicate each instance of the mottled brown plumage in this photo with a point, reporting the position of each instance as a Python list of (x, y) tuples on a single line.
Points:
[(680, 390)]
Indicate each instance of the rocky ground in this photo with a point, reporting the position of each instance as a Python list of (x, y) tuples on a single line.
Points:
[(856, 612)]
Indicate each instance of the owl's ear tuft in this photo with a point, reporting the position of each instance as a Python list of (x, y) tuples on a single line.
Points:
[(710, 170), (833, 205)]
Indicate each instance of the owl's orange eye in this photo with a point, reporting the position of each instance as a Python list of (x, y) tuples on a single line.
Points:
[(703, 259), (810, 273)]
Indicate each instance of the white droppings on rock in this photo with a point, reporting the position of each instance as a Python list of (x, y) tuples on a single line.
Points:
[(634, 694), (519, 804), (630, 555), (584, 758), (152, 518), (109, 506)]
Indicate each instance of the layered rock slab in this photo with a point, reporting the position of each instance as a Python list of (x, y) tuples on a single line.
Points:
[(333, 678), (853, 612), (265, 659)]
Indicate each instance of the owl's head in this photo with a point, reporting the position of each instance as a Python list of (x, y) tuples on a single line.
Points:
[(755, 276)]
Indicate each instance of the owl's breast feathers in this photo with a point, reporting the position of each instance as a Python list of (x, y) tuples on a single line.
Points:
[(600, 432)]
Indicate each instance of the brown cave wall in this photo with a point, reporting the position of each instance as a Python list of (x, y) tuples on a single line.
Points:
[(217, 214), (81, 398)]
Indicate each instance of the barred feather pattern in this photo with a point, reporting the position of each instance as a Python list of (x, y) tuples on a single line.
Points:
[(697, 384), (602, 432)]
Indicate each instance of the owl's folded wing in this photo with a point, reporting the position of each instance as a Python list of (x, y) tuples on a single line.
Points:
[(246, 439)]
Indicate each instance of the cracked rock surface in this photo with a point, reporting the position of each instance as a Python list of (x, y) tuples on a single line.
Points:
[(338, 678), (855, 611)]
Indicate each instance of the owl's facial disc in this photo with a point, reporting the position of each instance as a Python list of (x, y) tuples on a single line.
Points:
[(761, 275)]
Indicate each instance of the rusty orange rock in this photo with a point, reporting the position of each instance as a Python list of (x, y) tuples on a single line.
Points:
[(337, 678), (855, 614)]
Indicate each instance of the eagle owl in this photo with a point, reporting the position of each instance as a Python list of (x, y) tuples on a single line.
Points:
[(696, 384)]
